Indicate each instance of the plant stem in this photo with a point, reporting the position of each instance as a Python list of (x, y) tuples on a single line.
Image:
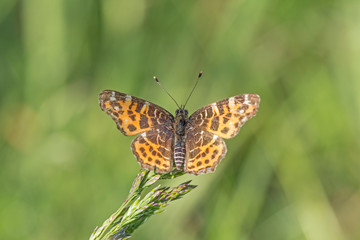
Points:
[(136, 209)]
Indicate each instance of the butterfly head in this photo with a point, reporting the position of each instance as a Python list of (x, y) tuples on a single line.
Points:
[(181, 111)]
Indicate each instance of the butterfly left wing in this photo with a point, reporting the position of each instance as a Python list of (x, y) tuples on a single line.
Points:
[(153, 149), (224, 118), (133, 115)]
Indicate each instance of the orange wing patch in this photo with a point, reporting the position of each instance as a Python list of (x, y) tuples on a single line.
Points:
[(204, 152), (153, 150), (224, 118), (132, 115)]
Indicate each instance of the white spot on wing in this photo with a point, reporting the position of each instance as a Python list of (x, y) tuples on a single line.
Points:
[(143, 134), (246, 99), (112, 99), (215, 108), (231, 102), (128, 98), (241, 111), (215, 137), (144, 107), (116, 108)]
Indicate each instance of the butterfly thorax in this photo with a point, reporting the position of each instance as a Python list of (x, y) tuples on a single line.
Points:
[(181, 119)]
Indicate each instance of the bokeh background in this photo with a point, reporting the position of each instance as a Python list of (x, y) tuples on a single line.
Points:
[(293, 172)]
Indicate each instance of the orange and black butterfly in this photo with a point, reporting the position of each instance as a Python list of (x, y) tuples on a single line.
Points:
[(194, 144)]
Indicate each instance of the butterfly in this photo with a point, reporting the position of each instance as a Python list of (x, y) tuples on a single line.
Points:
[(193, 144)]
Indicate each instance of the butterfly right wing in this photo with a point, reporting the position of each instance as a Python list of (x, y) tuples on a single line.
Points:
[(204, 151), (133, 115), (205, 147)]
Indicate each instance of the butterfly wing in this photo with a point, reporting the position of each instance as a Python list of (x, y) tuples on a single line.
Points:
[(204, 152), (207, 126), (224, 118), (133, 115), (153, 149)]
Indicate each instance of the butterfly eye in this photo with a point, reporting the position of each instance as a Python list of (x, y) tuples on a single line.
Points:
[(177, 111)]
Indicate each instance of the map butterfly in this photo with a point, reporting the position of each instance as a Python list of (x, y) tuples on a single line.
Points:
[(192, 143)]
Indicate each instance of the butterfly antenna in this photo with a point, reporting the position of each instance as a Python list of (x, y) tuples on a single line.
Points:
[(158, 82), (197, 80)]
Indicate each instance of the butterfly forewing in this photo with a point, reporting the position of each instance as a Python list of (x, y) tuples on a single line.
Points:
[(133, 115), (224, 118)]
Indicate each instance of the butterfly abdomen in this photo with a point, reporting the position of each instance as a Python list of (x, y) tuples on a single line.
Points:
[(179, 152), (180, 123)]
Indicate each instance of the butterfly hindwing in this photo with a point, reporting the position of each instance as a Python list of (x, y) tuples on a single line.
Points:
[(224, 118), (133, 115), (204, 151), (153, 149)]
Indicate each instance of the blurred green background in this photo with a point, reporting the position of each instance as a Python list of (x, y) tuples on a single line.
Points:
[(293, 172)]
